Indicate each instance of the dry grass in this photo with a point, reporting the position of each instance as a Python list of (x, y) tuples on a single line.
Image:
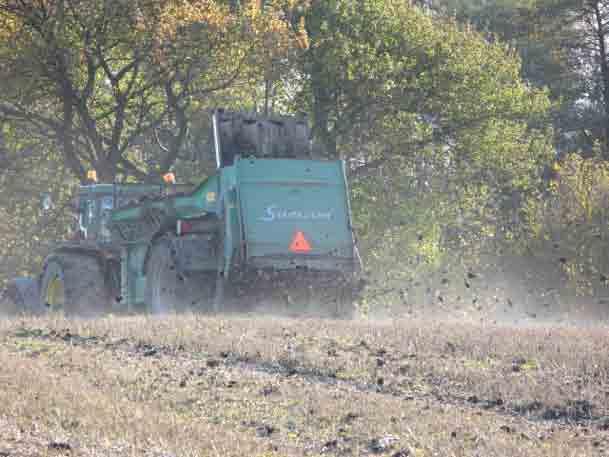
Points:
[(192, 385)]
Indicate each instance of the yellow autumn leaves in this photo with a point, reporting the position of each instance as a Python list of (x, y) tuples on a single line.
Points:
[(8, 26), (177, 14)]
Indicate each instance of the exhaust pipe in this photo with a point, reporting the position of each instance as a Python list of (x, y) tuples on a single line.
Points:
[(217, 139)]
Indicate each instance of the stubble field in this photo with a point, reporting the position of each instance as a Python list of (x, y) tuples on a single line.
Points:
[(193, 385)]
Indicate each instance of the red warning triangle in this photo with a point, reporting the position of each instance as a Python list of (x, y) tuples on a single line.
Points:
[(299, 243)]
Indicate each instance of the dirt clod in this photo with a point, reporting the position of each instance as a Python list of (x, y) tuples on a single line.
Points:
[(264, 430), (212, 363), (518, 363), (604, 424), (329, 446), (383, 444), (60, 446), (350, 417), (269, 390), (494, 403), (401, 453)]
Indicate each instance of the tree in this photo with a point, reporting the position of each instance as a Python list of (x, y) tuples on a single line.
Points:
[(580, 30), (376, 65), (96, 79), (563, 46), (357, 63)]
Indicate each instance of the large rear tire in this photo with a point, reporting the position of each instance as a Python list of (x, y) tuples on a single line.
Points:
[(74, 284), (169, 290)]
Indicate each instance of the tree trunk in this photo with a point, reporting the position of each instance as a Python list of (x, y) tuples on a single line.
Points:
[(604, 71), (322, 102)]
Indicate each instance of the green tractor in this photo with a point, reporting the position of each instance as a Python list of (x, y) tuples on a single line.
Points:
[(272, 228)]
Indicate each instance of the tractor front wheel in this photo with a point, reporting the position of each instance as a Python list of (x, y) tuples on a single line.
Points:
[(73, 283)]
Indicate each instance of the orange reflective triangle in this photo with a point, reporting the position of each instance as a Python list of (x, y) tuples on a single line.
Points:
[(299, 243)]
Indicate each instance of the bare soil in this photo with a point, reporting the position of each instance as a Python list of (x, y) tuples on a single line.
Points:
[(193, 385)]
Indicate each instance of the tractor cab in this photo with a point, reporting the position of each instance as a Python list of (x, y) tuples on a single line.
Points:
[(95, 203)]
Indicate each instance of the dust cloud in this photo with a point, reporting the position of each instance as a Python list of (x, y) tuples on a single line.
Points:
[(507, 290)]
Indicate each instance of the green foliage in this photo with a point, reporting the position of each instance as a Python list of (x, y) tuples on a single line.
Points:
[(560, 44), (110, 84), (576, 216)]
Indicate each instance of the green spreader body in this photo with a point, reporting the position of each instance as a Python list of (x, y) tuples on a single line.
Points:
[(256, 214)]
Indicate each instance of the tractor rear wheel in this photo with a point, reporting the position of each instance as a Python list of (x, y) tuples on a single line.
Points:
[(169, 290), (73, 283)]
